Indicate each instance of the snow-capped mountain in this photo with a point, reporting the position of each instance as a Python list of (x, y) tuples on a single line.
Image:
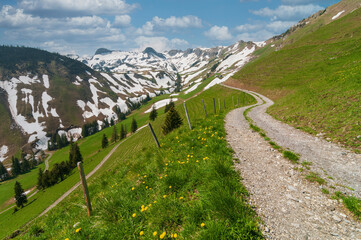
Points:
[(189, 64), (42, 92)]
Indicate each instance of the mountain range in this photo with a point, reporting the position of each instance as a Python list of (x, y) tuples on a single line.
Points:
[(43, 93)]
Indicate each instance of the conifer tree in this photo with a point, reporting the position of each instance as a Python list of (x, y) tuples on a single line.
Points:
[(123, 132), (111, 122), (104, 141), (172, 121), (40, 179), (46, 179), (15, 167), (20, 196), (76, 155), (134, 126), (153, 114), (3, 172), (115, 134), (169, 106), (25, 166)]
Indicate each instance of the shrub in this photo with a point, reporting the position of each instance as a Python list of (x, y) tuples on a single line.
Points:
[(172, 121)]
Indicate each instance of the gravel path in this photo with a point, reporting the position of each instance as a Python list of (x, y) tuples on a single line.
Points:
[(290, 206)]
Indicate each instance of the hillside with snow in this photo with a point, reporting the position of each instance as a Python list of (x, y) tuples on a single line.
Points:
[(42, 93)]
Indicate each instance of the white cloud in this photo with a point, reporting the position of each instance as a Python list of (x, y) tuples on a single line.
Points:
[(12, 17), (159, 24), (122, 21), (146, 29), (256, 36), (69, 7), (285, 12), (249, 27), (280, 26), (160, 44), (178, 22), (219, 33), (299, 2)]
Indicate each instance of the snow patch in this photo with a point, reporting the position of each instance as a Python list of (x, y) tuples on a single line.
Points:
[(337, 15), (45, 99), (218, 80), (191, 89), (46, 81), (3, 151), (260, 44), (161, 103)]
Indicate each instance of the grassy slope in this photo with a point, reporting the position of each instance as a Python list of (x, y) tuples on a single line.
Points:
[(315, 81), (89, 146), (210, 188)]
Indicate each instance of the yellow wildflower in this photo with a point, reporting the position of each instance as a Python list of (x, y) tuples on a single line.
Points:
[(134, 214), (202, 224), (150, 205), (175, 235), (155, 233), (78, 230), (141, 233), (162, 235), (145, 176), (164, 196), (145, 209), (132, 188), (170, 186), (181, 198), (66, 238), (155, 202)]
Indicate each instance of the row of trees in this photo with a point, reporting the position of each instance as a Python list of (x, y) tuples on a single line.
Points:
[(60, 170), (56, 141), (122, 134), (18, 166)]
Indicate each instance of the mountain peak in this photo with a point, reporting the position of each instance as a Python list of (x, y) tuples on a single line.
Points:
[(151, 51), (102, 51)]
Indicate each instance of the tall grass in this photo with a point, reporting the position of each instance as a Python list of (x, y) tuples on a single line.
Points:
[(187, 187)]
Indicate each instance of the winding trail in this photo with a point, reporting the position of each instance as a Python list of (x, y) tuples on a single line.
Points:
[(290, 206)]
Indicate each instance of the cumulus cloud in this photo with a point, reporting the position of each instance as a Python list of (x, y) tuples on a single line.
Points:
[(122, 21), (219, 33), (12, 17), (178, 22), (160, 44), (71, 7), (256, 36), (286, 12)]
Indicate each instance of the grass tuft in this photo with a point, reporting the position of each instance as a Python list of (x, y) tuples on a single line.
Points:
[(291, 156), (314, 177)]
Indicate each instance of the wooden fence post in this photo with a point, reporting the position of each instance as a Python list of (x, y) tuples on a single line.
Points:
[(189, 122), (214, 106), (154, 136), (219, 104), (85, 188), (204, 106)]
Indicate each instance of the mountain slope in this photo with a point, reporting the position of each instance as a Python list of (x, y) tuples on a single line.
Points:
[(42, 92), (315, 79)]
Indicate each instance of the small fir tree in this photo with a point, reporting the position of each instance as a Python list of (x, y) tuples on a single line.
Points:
[(3, 172), (75, 155), (123, 132), (115, 134), (104, 141), (20, 196), (15, 167), (169, 106), (153, 114), (40, 179), (172, 121), (134, 126)]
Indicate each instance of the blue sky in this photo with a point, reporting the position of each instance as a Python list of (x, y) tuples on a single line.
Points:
[(80, 27)]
